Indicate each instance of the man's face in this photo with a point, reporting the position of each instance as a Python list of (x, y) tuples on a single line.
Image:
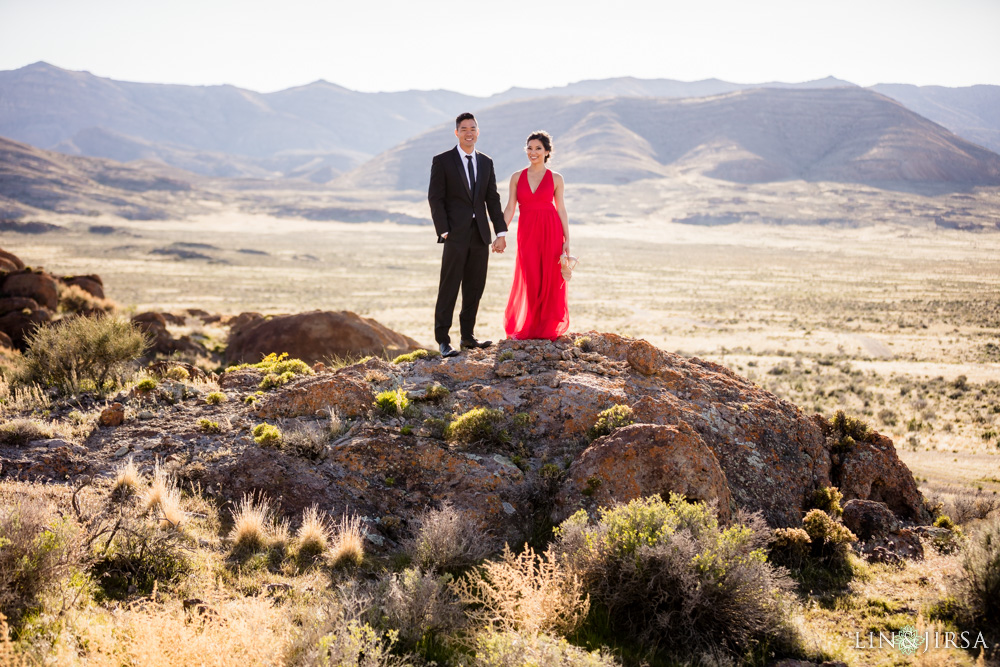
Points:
[(468, 134)]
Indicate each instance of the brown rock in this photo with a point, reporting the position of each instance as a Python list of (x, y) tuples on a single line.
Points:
[(5, 341), (869, 519), (162, 341), (311, 394), (11, 259), (243, 378), (91, 284), (644, 357), (112, 416), (871, 470), (645, 460), (6, 265), (312, 337), (12, 303), (19, 324), (39, 286)]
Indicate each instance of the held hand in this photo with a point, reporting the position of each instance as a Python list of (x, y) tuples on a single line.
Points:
[(566, 247), (500, 244)]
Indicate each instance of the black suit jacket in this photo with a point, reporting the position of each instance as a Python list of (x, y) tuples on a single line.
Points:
[(452, 203)]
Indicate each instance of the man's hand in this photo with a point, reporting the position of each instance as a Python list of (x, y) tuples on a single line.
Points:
[(500, 244)]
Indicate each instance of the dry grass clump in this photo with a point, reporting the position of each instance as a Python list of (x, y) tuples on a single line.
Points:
[(253, 517), (528, 592), (448, 540), (392, 403), (348, 546), (420, 605), (19, 432), (309, 440), (216, 397), (512, 649), (313, 535), (164, 498), (980, 583), (127, 480), (75, 300)]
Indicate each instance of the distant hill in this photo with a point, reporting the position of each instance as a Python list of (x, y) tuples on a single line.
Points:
[(838, 134), (31, 178), (972, 112)]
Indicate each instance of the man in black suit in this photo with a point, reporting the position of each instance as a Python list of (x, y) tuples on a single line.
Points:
[(463, 189)]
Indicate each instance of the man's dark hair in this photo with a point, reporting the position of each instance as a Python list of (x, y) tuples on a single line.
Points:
[(463, 116)]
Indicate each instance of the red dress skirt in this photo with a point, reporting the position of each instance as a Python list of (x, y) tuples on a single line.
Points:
[(537, 304)]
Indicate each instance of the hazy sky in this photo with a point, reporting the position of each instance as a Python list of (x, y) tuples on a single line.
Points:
[(486, 47)]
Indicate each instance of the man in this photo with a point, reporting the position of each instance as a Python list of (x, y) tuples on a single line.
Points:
[(463, 189)]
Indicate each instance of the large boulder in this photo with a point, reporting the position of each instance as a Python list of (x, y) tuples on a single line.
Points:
[(9, 261), (91, 284), (881, 537), (314, 336), (310, 395), (19, 323), (645, 460), (162, 342), (39, 286)]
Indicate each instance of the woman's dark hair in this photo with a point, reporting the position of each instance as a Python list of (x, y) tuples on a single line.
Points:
[(545, 138), (463, 116)]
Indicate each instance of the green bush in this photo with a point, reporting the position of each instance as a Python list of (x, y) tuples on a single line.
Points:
[(147, 384), (209, 426), (829, 564), (436, 392), (980, 583), (828, 499), (267, 435), (37, 549), (81, 351), (479, 426), (412, 356), (392, 403), (584, 343), (666, 576), (790, 547), (609, 421), (178, 373), (845, 431), (216, 397), (278, 369)]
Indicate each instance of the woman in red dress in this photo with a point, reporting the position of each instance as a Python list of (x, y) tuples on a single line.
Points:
[(537, 304)]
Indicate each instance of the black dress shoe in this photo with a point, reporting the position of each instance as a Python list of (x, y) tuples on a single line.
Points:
[(447, 350), (472, 343)]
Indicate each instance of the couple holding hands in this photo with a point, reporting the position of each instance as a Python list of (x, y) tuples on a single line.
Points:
[(462, 192)]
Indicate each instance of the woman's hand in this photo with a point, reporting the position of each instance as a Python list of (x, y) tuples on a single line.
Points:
[(566, 247)]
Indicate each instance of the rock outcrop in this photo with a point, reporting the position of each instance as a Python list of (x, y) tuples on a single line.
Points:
[(314, 336), (698, 429)]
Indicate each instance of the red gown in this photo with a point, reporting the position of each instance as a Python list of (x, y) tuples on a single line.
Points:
[(537, 304)]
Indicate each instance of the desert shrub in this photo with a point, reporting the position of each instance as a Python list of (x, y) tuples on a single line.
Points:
[(506, 355), (312, 535), (436, 392), (147, 384), (266, 435), (348, 546), (92, 350), (209, 426), (412, 356), (829, 564), (136, 555), (844, 431), (307, 440), (216, 397), (357, 644), (437, 428), (584, 343), (75, 300), (950, 541), (478, 426), (511, 649), (528, 592), (392, 403), (19, 432), (610, 420), (790, 547), (37, 549), (944, 521), (667, 577), (980, 582), (178, 373), (448, 540), (966, 508), (420, 607), (278, 369), (827, 498)]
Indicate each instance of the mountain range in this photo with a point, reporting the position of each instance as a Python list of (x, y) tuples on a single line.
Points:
[(324, 132)]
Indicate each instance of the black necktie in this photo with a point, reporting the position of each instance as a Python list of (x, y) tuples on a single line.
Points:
[(472, 176)]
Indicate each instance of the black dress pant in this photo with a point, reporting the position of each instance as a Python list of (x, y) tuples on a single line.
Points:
[(463, 265)]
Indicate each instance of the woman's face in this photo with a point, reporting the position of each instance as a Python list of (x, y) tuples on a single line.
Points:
[(536, 151)]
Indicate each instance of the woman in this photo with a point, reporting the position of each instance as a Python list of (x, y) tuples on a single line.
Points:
[(537, 304)]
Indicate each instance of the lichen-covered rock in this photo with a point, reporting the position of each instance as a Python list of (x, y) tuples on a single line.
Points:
[(313, 394), (881, 537), (645, 460), (871, 470)]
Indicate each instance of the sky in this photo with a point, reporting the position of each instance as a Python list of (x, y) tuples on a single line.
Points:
[(481, 48)]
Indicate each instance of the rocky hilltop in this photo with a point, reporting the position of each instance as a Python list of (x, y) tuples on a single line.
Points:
[(519, 435)]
